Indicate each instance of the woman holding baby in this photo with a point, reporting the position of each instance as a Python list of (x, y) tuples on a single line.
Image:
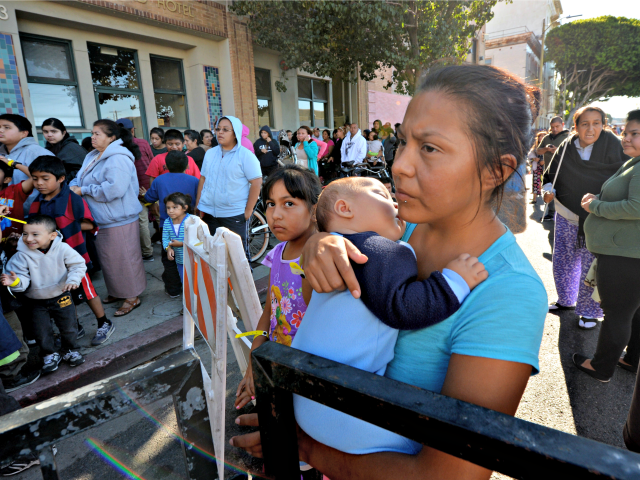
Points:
[(464, 134)]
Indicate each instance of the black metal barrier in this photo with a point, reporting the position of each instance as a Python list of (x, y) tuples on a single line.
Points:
[(491, 439), (36, 428)]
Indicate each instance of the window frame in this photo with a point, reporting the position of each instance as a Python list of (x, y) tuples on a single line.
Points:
[(172, 92), (316, 100), (54, 81), (98, 89), (269, 98)]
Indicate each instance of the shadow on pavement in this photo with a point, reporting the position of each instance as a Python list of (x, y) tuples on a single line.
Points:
[(599, 409)]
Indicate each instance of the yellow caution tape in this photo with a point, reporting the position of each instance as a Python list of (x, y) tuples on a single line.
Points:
[(256, 333)]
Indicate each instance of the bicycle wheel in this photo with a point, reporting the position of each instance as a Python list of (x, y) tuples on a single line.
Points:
[(258, 237)]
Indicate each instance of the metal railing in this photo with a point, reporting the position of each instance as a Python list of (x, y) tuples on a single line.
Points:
[(506, 33), (37, 428), (485, 437)]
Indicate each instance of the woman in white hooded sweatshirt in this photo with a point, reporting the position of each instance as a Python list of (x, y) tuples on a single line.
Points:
[(108, 182)]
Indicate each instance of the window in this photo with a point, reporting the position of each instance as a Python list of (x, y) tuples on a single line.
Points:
[(169, 92), (263, 90), (313, 101), (51, 76), (487, 61), (116, 84)]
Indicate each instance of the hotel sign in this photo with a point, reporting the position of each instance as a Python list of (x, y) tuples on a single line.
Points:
[(181, 8)]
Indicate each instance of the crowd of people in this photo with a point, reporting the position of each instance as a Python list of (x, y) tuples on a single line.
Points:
[(410, 269)]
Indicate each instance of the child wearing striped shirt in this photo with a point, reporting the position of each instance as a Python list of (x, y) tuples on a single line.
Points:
[(177, 205)]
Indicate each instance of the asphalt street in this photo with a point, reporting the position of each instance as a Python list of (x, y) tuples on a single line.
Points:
[(559, 397)]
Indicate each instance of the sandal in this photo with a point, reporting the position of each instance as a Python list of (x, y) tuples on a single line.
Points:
[(126, 308), (557, 306), (110, 299)]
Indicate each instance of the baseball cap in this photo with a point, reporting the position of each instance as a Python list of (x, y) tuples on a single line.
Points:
[(125, 122)]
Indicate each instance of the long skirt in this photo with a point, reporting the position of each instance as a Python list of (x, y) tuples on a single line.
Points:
[(121, 260), (570, 268)]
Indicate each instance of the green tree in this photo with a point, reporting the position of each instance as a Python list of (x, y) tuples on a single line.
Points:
[(596, 59), (330, 38)]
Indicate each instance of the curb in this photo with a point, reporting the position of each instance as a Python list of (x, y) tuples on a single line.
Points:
[(106, 362)]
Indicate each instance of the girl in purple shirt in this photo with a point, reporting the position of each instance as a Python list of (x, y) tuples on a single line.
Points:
[(289, 195)]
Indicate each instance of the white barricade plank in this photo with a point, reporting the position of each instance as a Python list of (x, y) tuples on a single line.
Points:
[(214, 267), (243, 286)]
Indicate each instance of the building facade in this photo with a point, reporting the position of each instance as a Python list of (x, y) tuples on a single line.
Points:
[(514, 41), (161, 63)]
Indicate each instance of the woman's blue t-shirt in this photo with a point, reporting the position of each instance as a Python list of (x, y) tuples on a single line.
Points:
[(502, 318)]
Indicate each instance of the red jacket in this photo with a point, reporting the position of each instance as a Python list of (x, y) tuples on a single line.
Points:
[(143, 163)]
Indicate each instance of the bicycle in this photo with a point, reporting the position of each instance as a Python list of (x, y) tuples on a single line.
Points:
[(259, 233)]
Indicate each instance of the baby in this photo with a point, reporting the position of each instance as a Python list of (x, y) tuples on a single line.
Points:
[(341, 328)]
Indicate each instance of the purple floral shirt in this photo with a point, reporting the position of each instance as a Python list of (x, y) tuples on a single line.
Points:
[(287, 305)]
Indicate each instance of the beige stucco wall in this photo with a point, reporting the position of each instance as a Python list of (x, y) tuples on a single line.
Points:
[(62, 21)]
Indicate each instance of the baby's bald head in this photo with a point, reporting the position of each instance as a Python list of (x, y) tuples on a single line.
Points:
[(343, 189)]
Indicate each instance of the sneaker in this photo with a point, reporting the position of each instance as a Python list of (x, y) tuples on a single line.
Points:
[(51, 362), (547, 218), (19, 465), (20, 381), (74, 359), (172, 296), (148, 258), (29, 341), (81, 332), (103, 333)]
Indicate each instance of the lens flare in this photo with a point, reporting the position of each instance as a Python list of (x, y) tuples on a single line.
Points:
[(111, 460)]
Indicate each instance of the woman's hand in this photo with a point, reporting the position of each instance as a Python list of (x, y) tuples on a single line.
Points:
[(4, 210), (75, 189), (142, 191), (326, 263), (249, 442), (170, 253), (586, 201), (548, 197)]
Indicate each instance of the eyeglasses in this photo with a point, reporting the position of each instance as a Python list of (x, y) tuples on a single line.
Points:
[(223, 130)]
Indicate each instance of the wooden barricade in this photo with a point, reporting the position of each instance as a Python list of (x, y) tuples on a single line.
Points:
[(217, 277)]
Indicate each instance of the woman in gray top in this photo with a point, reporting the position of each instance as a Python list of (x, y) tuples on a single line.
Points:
[(109, 184)]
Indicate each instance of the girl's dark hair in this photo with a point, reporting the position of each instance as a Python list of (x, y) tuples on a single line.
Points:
[(308, 130), (578, 114), (633, 116), (375, 135), (55, 123), (179, 198), (19, 121), (158, 131), (300, 182), (193, 135), (499, 109), (327, 131), (112, 129)]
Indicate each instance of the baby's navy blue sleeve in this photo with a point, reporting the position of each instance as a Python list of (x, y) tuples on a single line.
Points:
[(390, 288)]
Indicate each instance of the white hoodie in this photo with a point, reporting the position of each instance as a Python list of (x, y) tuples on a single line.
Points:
[(46, 273), (354, 149)]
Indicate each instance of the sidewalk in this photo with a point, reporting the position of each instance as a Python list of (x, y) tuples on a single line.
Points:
[(148, 331)]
